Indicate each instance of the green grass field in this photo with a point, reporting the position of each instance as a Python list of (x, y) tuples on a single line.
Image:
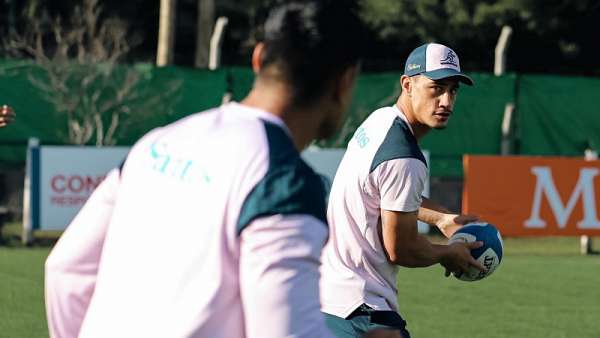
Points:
[(543, 288), (22, 292)]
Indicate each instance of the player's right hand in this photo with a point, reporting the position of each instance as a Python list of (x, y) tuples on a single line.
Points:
[(458, 258)]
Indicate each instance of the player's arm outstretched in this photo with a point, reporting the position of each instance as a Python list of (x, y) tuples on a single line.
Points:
[(400, 183), (406, 247), (279, 276), (448, 222), (71, 267)]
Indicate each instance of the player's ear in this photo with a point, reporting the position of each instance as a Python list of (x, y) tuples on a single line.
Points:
[(257, 57), (405, 84)]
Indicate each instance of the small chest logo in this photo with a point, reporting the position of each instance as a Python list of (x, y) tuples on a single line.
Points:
[(361, 137)]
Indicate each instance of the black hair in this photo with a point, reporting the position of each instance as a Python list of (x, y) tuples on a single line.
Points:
[(311, 43)]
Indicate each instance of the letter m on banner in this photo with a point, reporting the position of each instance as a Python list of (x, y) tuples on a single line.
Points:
[(584, 189), (534, 195)]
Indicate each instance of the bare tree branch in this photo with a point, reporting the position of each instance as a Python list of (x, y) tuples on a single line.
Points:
[(81, 76)]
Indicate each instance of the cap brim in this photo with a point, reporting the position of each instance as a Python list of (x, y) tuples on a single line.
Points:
[(446, 73)]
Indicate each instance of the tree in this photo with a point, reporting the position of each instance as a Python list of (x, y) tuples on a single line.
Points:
[(550, 35), (206, 21), (81, 74)]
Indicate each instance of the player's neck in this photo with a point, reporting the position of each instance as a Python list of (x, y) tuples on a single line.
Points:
[(303, 126), (275, 99), (272, 98), (419, 129)]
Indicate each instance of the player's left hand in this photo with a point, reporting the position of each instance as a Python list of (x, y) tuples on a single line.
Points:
[(449, 223), (7, 115)]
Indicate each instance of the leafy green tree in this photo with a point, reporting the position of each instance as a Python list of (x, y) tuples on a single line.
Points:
[(548, 35)]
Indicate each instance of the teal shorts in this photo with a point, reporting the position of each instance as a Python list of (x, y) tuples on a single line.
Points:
[(364, 319)]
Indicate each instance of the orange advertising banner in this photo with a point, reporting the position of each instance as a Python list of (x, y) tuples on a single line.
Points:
[(534, 196)]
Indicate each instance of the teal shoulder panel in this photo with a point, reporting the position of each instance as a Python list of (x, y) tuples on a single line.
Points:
[(399, 142), (290, 186)]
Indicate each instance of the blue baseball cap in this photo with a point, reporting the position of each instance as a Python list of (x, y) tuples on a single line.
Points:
[(435, 61)]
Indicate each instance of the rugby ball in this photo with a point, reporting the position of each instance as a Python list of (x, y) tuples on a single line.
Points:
[(490, 254)]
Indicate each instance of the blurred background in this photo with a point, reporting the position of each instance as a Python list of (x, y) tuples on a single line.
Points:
[(554, 36), (113, 57), (101, 73)]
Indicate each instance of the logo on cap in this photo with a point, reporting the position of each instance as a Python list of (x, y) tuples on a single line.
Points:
[(449, 60), (413, 66)]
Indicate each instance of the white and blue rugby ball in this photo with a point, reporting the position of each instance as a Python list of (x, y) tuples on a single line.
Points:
[(490, 254)]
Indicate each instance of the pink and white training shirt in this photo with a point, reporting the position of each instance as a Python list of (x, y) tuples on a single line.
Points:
[(383, 168), (213, 227)]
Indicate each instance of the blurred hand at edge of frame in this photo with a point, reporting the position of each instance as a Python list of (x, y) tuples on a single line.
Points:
[(7, 115), (383, 333)]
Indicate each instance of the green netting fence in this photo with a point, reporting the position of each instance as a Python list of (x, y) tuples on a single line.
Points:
[(554, 115)]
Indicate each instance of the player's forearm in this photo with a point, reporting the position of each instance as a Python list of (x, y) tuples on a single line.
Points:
[(446, 221), (419, 253), (431, 213)]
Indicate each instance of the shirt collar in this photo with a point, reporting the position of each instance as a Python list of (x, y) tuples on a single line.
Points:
[(259, 113), (400, 113)]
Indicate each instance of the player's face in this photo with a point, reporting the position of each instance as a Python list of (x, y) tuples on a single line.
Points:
[(433, 100)]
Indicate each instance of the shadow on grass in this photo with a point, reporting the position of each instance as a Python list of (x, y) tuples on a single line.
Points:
[(10, 236)]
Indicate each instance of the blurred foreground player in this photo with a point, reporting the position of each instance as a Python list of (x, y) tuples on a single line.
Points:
[(213, 226)]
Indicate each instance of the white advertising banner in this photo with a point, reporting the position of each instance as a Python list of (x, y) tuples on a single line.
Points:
[(67, 177), (63, 177)]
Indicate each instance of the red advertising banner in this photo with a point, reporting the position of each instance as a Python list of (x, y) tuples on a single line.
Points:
[(534, 196)]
